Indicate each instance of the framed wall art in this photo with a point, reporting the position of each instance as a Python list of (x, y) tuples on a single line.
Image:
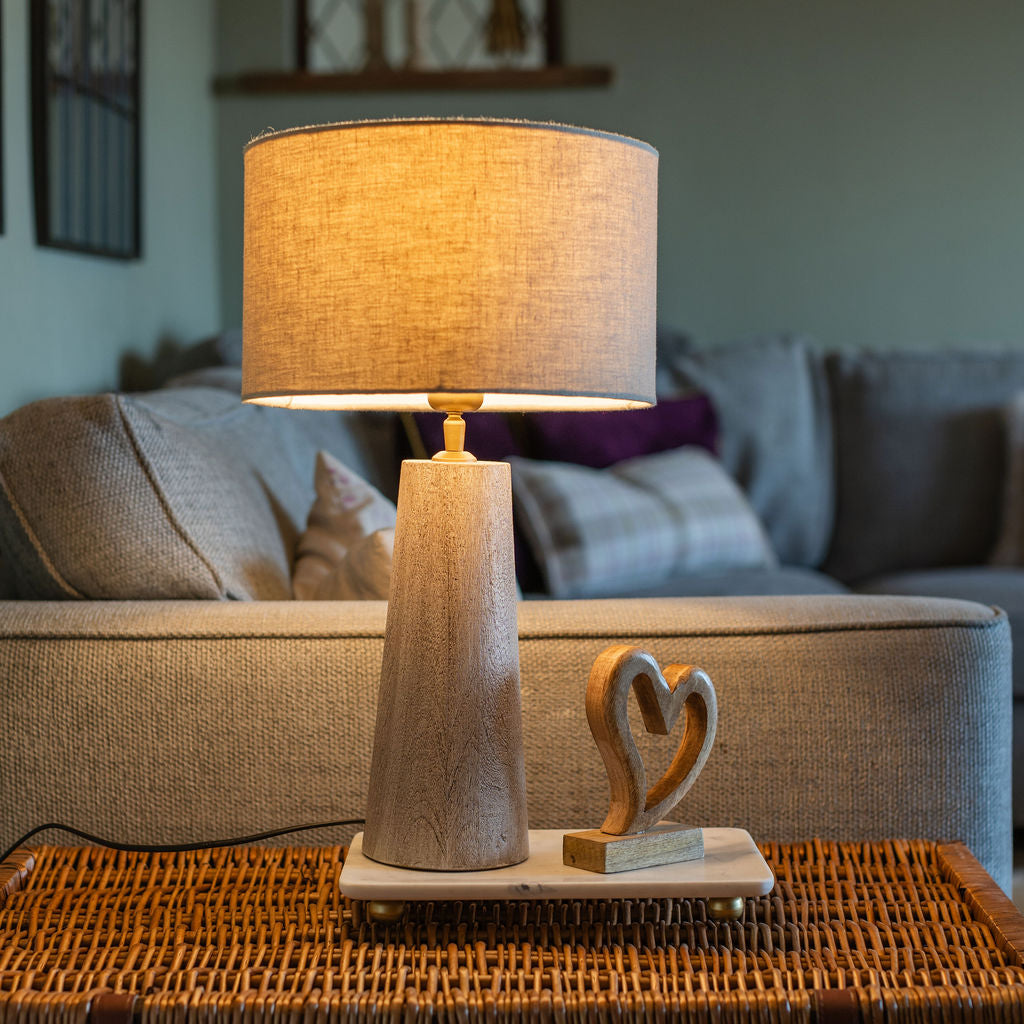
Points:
[(1, 117), (86, 125)]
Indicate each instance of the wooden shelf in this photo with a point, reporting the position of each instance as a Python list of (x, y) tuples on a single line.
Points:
[(554, 77)]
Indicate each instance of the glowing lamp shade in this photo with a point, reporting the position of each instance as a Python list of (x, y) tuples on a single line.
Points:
[(388, 260)]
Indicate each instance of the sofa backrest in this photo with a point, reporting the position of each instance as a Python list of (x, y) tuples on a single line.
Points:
[(920, 457), (178, 493)]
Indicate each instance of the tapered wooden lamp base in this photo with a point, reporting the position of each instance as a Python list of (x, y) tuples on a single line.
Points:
[(447, 784)]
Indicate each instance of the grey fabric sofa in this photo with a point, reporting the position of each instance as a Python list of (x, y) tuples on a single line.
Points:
[(842, 715)]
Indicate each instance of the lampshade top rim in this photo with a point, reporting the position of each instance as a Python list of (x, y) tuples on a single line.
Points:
[(487, 122)]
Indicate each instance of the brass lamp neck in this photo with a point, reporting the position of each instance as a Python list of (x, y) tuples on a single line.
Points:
[(455, 426)]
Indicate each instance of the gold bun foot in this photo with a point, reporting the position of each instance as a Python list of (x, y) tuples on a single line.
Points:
[(385, 911), (725, 908)]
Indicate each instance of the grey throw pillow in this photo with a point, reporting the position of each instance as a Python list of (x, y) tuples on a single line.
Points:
[(775, 433)]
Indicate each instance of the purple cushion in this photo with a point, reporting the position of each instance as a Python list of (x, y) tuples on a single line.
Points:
[(600, 439), (596, 439)]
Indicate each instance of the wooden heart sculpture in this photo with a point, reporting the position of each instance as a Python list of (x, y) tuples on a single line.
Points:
[(661, 696)]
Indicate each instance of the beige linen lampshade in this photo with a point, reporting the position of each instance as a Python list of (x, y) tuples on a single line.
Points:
[(386, 260)]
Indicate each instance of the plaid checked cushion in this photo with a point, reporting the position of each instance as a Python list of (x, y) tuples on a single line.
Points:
[(641, 521)]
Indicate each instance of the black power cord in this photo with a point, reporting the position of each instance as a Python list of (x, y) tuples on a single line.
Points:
[(208, 844)]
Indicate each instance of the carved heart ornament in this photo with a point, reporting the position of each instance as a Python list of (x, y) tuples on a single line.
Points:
[(661, 696)]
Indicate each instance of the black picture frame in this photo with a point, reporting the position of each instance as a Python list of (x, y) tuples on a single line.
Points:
[(1, 117), (86, 125)]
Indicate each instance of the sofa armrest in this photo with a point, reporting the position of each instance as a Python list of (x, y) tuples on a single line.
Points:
[(840, 717)]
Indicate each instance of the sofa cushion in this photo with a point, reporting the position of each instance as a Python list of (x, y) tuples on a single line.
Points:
[(366, 442), (595, 439), (347, 548), (181, 493), (600, 439), (363, 574), (172, 360), (920, 457), (227, 377), (774, 434), (602, 532)]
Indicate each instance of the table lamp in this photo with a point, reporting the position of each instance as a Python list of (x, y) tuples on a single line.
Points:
[(452, 265)]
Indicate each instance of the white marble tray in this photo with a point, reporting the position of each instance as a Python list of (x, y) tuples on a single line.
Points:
[(732, 866)]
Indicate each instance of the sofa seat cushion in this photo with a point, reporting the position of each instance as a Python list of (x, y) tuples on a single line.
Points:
[(180, 493), (764, 582), (999, 587)]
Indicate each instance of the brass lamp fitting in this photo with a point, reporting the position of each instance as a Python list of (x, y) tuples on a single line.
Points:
[(454, 426)]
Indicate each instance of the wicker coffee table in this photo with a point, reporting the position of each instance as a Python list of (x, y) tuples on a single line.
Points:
[(874, 931)]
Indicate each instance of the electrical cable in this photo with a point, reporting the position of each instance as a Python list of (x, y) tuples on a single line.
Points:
[(112, 844)]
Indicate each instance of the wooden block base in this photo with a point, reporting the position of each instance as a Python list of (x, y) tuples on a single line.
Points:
[(665, 843)]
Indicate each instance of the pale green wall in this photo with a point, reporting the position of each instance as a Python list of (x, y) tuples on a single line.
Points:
[(66, 319), (849, 168)]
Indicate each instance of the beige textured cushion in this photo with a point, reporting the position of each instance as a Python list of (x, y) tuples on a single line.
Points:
[(180, 493), (347, 548), (366, 573)]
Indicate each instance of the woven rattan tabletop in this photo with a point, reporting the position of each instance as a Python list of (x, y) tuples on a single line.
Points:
[(874, 931)]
